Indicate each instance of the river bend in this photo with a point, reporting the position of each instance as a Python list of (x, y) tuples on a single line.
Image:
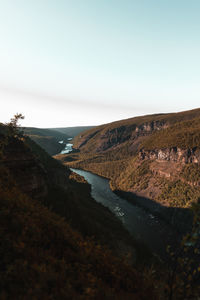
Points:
[(144, 226)]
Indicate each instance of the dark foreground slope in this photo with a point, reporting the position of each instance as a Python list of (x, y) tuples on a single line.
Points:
[(42, 257), (47, 221)]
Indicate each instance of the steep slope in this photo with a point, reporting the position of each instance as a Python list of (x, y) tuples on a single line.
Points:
[(43, 178), (127, 132), (42, 256), (156, 157)]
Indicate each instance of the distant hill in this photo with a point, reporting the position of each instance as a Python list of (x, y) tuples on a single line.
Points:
[(47, 139), (72, 131), (46, 132)]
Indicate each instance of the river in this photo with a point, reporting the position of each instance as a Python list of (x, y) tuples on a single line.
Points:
[(143, 226)]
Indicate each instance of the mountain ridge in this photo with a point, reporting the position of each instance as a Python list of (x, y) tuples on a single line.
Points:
[(148, 156)]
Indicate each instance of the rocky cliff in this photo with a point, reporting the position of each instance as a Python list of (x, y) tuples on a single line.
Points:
[(150, 127), (109, 137), (173, 154), (127, 132), (154, 156)]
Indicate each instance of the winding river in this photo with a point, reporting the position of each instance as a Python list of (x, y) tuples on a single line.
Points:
[(144, 226)]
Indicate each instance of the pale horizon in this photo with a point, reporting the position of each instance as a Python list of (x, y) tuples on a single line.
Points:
[(66, 63)]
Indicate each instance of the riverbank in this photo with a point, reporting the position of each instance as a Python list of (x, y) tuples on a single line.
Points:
[(142, 225)]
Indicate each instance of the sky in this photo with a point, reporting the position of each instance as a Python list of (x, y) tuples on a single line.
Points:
[(88, 62)]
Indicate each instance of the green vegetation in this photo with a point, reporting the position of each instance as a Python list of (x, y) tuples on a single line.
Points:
[(111, 150), (42, 253), (178, 193), (135, 177), (191, 173), (54, 247), (42, 155), (124, 173), (73, 201), (59, 136), (184, 135), (117, 133), (47, 139)]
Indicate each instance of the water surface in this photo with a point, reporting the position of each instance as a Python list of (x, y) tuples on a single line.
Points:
[(144, 226)]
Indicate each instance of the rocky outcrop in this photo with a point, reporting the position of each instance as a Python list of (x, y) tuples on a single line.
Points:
[(148, 128), (25, 169), (173, 154), (109, 137), (122, 134)]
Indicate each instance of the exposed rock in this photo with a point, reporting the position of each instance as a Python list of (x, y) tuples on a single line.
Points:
[(113, 137), (148, 128), (172, 154)]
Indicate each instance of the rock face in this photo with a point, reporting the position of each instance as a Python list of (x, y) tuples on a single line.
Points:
[(172, 154), (122, 134), (108, 137), (148, 128), (115, 136), (26, 170)]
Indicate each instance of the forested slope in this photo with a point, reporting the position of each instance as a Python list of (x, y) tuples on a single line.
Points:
[(54, 243), (148, 156), (47, 139)]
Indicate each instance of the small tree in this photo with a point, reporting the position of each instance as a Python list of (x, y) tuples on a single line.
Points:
[(13, 125), (11, 130)]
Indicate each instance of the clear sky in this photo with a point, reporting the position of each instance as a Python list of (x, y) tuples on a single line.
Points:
[(87, 62)]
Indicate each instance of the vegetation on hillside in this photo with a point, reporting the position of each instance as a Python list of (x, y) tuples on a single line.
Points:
[(54, 247), (46, 132), (73, 201), (184, 135), (120, 132), (178, 193), (191, 173), (42, 257), (118, 160), (47, 139)]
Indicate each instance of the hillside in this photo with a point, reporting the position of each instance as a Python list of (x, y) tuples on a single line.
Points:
[(72, 131), (56, 241), (153, 156), (47, 139), (109, 136), (42, 257)]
